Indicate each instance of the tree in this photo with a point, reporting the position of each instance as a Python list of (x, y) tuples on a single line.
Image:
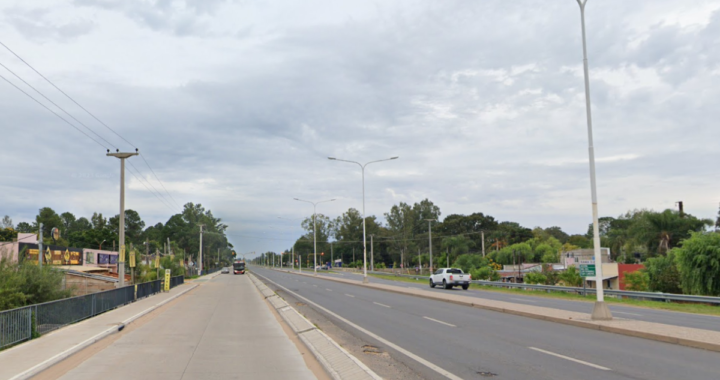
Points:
[(49, 218), (24, 227), (662, 231), (469, 262), (663, 275), (546, 253), (6, 222), (456, 245), (68, 220), (535, 278), (134, 227), (98, 221), (571, 277), (698, 259), (637, 281)]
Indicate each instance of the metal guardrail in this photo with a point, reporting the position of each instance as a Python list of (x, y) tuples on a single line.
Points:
[(24, 323), (662, 297)]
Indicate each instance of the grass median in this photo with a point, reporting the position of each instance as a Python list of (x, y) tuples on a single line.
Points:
[(671, 306)]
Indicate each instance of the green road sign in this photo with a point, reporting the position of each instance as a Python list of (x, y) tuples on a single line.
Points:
[(587, 270)]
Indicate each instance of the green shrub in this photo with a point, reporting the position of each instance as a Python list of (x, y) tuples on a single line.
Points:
[(637, 281), (535, 278)]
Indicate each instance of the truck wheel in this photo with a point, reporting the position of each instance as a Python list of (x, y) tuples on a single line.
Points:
[(432, 284), (466, 286), (446, 286)]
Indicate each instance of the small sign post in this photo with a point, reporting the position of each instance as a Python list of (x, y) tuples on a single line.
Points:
[(167, 280)]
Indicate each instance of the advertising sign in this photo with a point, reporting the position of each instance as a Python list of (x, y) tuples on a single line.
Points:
[(132, 258), (53, 254), (167, 280)]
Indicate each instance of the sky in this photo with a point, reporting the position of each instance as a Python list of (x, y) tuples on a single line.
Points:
[(236, 105)]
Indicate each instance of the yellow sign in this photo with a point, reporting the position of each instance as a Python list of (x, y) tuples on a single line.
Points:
[(132, 259), (121, 258), (157, 261), (66, 255), (48, 255), (167, 280)]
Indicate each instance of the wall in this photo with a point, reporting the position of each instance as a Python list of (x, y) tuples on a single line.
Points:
[(627, 268), (82, 285)]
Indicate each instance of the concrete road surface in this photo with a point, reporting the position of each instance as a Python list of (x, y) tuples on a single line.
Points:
[(221, 330), (472, 343)]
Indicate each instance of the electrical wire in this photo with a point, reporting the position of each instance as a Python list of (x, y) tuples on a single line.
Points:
[(149, 183), (54, 113), (156, 196), (158, 179)]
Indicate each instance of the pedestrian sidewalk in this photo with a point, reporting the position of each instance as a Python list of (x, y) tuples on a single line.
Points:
[(684, 336), (34, 356)]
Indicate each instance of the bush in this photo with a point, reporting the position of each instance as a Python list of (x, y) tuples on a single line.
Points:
[(485, 273), (637, 281), (663, 275), (26, 284), (535, 278), (380, 265), (469, 262), (571, 277), (698, 261)]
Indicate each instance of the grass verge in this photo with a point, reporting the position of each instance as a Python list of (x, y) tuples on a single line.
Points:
[(670, 306)]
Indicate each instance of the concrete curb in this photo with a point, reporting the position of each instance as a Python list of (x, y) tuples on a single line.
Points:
[(338, 363), (88, 342), (684, 336)]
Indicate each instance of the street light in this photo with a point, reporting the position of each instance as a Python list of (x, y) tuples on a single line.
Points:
[(601, 310), (314, 228), (121, 228), (430, 242), (362, 166)]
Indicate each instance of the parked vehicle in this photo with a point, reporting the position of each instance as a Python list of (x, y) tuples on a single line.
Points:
[(450, 277), (225, 270)]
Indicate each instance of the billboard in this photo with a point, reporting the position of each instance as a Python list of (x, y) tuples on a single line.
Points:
[(52, 254)]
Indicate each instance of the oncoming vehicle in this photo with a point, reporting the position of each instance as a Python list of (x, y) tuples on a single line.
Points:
[(449, 277), (239, 267), (225, 270)]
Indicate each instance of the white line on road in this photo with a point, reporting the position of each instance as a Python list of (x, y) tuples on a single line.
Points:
[(329, 290), (350, 295), (622, 312), (384, 341), (315, 286), (571, 359), (522, 300), (444, 323), (379, 304)]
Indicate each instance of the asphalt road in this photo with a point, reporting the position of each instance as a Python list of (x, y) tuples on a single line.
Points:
[(472, 343), (698, 321)]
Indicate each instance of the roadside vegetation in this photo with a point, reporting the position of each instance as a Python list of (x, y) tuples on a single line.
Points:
[(26, 284)]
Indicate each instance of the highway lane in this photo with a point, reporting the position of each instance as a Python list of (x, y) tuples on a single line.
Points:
[(698, 321), (466, 341)]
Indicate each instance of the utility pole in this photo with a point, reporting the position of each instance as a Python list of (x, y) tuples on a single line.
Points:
[(121, 229), (200, 266), (372, 255), (40, 247), (430, 242), (147, 251), (293, 257), (482, 237), (332, 260)]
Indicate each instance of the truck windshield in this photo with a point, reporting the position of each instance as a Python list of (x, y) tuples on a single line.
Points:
[(238, 266)]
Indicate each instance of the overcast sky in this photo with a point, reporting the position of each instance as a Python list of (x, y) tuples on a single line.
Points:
[(237, 105)]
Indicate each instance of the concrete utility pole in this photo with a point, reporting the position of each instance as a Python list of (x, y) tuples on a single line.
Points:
[(40, 247), (482, 238), (430, 242), (121, 229), (332, 259), (372, 255), (293, 257), (601, 310), (200, 266)]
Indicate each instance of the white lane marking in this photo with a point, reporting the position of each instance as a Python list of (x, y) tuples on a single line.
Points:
[(522, 300), (571, 359), (444, 323), (350, 295), (329, 290), (315, 286), (379, 304), (622, 312), (386, 342)]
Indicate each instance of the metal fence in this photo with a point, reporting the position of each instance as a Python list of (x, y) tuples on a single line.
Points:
[(648, 296), (21, 324)]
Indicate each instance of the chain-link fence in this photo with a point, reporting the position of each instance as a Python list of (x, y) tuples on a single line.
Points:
[(24, 323)]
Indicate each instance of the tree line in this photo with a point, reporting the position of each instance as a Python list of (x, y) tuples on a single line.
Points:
[(658, 239)]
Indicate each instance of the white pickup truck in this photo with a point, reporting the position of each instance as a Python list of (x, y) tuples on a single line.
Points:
[(449, 277)]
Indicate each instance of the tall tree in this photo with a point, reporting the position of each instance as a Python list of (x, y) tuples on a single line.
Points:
[(98, 221), (49, 218), (6, 222), (134, 226)]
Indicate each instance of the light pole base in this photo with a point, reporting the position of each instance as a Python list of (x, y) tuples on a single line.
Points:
[(365, 280), (601, 312)]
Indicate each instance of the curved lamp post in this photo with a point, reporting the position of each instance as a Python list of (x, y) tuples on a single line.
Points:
[(314, 228), (362, 167)]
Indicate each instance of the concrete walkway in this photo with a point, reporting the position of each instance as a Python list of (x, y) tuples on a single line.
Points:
[(221, 330)]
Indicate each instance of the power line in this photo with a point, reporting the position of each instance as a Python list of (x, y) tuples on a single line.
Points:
[(54, 113), (149, 183), (55, 104), (84, 109), (63, 92), (156, 196), (158, 179)]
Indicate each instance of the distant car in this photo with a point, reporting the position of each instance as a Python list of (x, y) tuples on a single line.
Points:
[(325, 267), (225, 270), (449, 277)]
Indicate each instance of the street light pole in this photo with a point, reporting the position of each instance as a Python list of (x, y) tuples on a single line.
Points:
[(200, 261), (314, 228), (362, 167), (430, 242), (121, 227), (601, 310)]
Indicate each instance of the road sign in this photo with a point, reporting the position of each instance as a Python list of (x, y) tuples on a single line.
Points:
[(587, 270), (167, 280)]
